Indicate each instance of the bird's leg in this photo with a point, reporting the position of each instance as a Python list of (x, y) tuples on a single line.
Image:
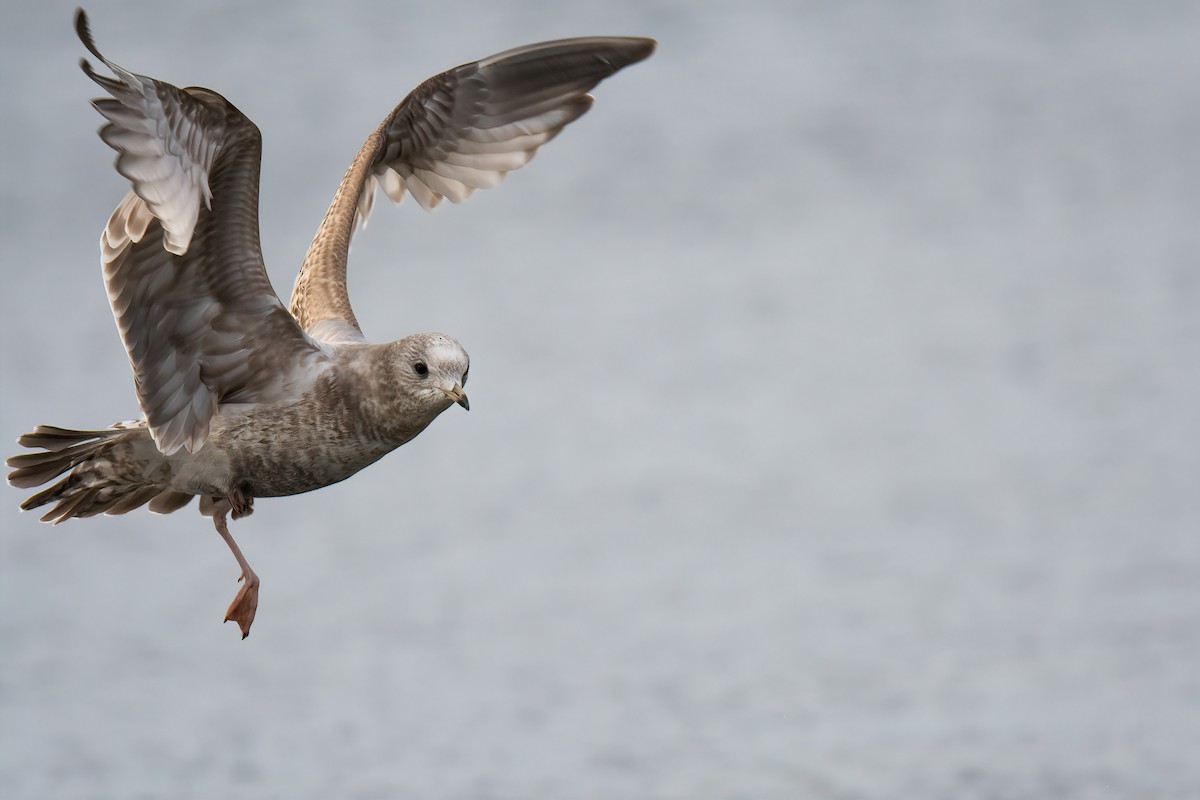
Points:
[(245, 604)]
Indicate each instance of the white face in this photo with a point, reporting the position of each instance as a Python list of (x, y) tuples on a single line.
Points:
[(436, 367)]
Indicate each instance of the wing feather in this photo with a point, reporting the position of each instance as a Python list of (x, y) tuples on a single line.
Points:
[(181, 257), (459, 131)]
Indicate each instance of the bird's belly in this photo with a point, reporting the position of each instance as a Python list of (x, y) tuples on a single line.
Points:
[(273, 471), (277, 455), (266, 475)]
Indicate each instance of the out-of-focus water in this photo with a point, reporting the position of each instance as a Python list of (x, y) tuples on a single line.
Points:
[(835, 421)]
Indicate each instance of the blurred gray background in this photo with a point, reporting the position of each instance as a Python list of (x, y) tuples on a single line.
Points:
[(835, 421)]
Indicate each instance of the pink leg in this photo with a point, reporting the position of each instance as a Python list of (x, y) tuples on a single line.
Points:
[(245, 604)]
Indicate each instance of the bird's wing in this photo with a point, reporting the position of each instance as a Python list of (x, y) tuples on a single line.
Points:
[(457, 132), (181, 256)]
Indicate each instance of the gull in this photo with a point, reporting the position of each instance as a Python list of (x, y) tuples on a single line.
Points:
[(242, 396)]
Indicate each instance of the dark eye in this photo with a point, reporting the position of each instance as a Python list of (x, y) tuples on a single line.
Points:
[(465, 373), (420, 368)]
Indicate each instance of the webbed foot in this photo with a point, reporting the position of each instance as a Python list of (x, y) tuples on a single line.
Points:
[(244, 604)]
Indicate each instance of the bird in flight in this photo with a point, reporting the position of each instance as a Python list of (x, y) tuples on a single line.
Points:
[(242, 396)]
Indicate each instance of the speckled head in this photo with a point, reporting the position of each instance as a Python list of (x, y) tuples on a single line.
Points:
[(433, 367)]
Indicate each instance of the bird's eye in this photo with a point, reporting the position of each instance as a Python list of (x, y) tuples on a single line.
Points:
[(420, 368), (464, 378)]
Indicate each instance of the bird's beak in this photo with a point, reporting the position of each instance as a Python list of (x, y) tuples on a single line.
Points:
[(458, 396)]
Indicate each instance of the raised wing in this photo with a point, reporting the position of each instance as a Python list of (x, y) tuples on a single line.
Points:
[(459, 131), (181, 256)]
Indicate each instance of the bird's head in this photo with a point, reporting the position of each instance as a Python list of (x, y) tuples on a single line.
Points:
[(432, 368)]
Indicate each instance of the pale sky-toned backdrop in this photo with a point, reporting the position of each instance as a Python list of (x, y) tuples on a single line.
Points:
[(835, 424)]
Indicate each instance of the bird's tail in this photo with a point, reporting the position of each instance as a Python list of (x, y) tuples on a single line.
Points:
[(107, 469)]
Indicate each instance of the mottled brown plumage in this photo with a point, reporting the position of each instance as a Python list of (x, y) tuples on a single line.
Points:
[(242, 397)]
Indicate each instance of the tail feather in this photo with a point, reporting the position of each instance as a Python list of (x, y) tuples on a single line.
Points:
[(34, 469), (135, 499), (54, 438), (45, 496), (107, 475), (75, 504), (62, 450), (38, 469)]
